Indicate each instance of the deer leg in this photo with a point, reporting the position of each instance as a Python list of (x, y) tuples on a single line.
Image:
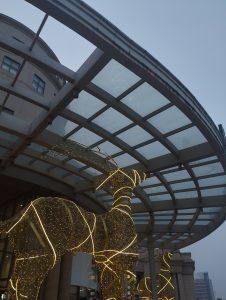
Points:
[(28, 275)]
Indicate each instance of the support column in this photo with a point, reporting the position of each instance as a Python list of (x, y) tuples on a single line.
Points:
[(181, 286), (65, 277), (151, 257), (52, 282), (42, 291)]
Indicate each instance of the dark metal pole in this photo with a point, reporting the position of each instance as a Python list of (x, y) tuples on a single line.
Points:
[(151, 257)]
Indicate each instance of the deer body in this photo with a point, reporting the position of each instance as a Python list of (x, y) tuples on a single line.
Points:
[(49, 227)]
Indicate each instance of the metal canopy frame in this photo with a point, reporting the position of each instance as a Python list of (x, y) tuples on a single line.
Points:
[(163, 218)]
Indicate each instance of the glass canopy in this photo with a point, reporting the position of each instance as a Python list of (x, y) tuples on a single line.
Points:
[(120, 108)]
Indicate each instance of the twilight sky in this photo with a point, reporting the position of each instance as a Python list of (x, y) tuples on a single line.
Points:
[(187, 37)]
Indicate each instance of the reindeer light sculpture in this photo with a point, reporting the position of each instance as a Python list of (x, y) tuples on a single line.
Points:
[(165, 287), (49, 227)]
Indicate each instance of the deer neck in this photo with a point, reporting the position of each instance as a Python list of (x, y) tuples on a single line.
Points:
[(122, 198)]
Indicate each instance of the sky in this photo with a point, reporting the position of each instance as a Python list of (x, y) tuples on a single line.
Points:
[(187, 37)]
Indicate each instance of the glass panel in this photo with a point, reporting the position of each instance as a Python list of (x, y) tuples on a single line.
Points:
[(208, 169), (182, 237), (157, 189), (150, 181), (184, 217), (204, 160), (211, 209), (41, 166), (85, 137), (23, 159), (76, 163), (184, 195), (145, 99), (169, 119), (141, 221), (115, 78), (176, 241), (107, 148), (202, 222), (86, 105), (214, 192), (160, 197), (140, 218), (164, 212), (3, 152), (105, 198), (58, 172), (61, 126), (187, 138), (93, 171), (135, 136), (111, 120), (125, 160), (179, 175), (182, 185), (72, 179), (166, 237), (135, 200), (187, 211), (212, 181), (162, 222), (206, 217), (184, 222), (163, 218), (7, 136), (100, 193), (160, 240), (153, 150), (37, 147)]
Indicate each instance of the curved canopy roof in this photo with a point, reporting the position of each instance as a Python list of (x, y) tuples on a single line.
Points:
[(125, 103)]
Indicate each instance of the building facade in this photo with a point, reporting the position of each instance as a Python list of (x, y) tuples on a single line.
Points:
[(22, 75), (203, 287)]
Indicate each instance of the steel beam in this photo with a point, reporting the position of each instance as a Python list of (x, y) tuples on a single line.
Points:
[(213, 201)]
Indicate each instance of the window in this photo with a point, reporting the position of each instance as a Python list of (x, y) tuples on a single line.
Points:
[(6, 110), (10, 65), (38, 84)]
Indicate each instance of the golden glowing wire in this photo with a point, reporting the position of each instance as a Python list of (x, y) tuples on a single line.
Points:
[(90, 231), (124, 212), (21, 218), (166, 261), (146, 285), (168, 282), (102, 183), (46, 235), (123, 206), (122, 188)]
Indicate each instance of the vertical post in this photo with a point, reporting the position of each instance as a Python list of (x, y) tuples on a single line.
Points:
[(151, 257), (78, 293), (65, 277), (52, 282)]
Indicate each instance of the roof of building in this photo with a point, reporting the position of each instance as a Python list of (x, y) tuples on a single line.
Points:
[(122, 102)]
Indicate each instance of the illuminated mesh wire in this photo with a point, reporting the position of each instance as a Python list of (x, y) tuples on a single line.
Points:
[(165, 288), (49, 227)]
